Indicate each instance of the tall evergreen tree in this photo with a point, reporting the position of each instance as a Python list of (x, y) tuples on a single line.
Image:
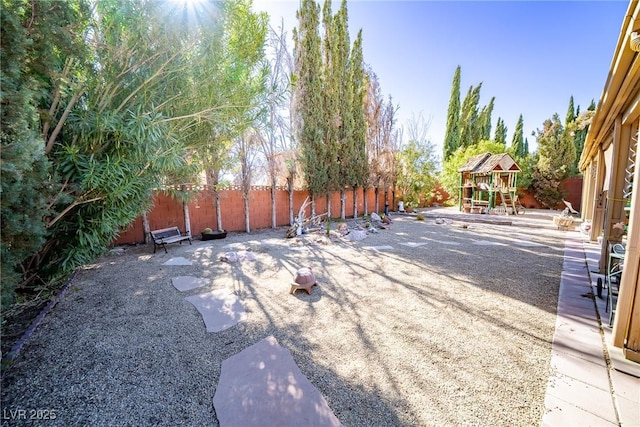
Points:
[(335, 55), (526, 147), (452, 134), (469, 117), (517, 143), (358, 165), (308, 94), (580, 127), (501, 132), (571, 113), (484, 121)]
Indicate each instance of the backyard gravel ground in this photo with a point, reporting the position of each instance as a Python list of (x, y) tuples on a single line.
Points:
[(451, 325)]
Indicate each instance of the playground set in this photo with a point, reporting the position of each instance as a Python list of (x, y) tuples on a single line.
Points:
[(488, 185)]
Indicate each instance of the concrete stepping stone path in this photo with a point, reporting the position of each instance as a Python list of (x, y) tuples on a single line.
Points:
[(187, 283), (262, 385), (220, 309)]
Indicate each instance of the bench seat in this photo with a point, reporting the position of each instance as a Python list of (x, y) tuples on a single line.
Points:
[(165, 236)]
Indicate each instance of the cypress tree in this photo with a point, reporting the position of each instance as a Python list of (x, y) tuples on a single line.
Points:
[(334, 68), (308, 88), (517, 143), (501, 132), (571, 114), (469, 117), (359, 169), (452, 135), (484, 121), (581, 133)]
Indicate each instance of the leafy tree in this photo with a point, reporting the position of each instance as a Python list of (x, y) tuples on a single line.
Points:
[(227, 82), (452, 134), (417, 164), (581, 124), (450, 177), (517, 143), (383, 138), (528, 167), (245, 151), (116, 142), (556, 157), (276, 129), (114, 87), (501, 133)]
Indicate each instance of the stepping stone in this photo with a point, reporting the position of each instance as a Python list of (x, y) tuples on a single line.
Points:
[(414, 244), (378, 248), (187, 283), (220, 309), (177, 261), (263, 385)]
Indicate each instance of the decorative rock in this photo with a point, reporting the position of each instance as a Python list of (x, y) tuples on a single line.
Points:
[(305, 279)]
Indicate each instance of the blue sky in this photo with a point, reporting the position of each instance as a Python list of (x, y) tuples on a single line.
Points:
[(531, 55)]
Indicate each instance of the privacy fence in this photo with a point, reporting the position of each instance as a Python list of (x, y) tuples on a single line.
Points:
[(169, 212)]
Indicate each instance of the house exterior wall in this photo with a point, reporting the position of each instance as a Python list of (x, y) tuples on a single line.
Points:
[(604, 163)]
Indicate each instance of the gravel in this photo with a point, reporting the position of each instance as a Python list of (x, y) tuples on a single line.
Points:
[(453, 332)]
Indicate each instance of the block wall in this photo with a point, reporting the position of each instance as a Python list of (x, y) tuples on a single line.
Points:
[(168, 212)]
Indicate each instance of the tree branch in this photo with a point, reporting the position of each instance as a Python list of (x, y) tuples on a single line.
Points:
[(67, 111), (68, 208)]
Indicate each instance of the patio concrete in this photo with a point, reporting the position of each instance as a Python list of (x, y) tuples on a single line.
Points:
[(591, 382)]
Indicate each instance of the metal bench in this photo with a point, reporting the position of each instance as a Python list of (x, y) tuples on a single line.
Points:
[(165, 236)]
